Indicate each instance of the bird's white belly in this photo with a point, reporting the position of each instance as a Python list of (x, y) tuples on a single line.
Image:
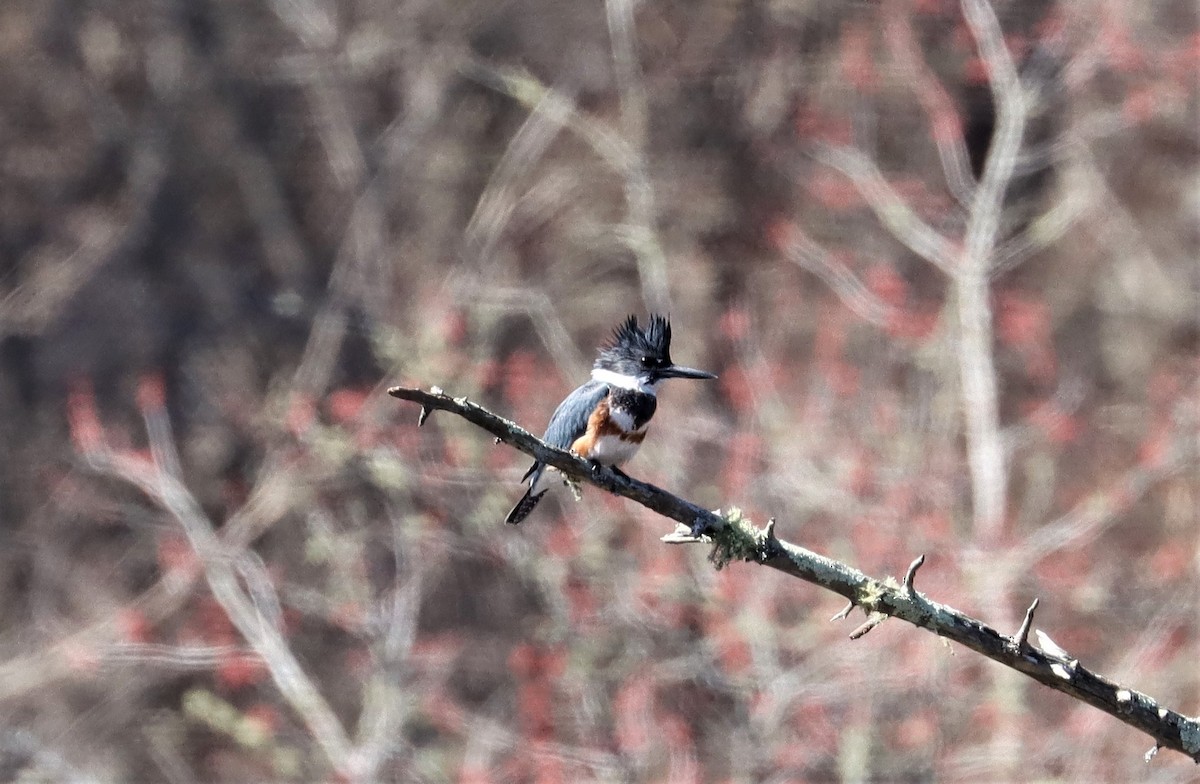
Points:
[(611, 450)]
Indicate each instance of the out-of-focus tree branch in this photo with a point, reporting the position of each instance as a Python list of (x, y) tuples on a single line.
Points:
[(889, 206), (989, 478), (734, 538), (239, 583), (222, 570), (640, 209), (799, 248), (968, 262), (527, 90), (944, 122)]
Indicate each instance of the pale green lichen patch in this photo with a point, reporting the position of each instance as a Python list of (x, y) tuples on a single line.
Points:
[(872, 594), (738, 540), (573, 485)]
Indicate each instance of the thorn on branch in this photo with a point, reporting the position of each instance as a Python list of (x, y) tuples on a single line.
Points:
[(425, 410), (872, 621), (1021, 641), (911, 574), (843, 613), (769, 547)]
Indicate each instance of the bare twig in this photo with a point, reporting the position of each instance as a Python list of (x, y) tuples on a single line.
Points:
[(735, 539), (911, 575), (876, 618), (843, 613), (873, 620)]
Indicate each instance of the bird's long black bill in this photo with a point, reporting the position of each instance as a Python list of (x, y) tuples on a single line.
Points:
[(678, 371)]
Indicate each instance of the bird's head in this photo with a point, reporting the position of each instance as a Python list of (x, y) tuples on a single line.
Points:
[(638, 358)]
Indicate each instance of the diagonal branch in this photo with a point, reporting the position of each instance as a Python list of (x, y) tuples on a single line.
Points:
[(734, 538), (527, 90), (890, 207), (806, 253)]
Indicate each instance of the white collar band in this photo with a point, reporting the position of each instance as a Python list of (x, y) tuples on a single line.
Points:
[(623, 381)]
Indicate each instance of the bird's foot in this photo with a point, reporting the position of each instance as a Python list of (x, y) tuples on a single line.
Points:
[(616, 470)]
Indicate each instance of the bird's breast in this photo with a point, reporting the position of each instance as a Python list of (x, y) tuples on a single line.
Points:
[(614, 433), (615, 448)]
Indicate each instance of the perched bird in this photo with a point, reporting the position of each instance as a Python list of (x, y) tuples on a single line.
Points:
[(605, 419)]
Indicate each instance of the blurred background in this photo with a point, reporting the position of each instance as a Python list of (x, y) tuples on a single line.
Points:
[(226, 227)]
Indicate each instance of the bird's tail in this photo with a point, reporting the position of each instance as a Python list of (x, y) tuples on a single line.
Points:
[(524, 506)]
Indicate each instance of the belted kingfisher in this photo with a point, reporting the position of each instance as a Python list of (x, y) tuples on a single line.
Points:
[(605, 419)]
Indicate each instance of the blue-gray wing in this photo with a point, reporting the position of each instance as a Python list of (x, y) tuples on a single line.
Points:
[(571, 417)]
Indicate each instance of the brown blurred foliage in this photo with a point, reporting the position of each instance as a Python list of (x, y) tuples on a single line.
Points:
[(226, 226)]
